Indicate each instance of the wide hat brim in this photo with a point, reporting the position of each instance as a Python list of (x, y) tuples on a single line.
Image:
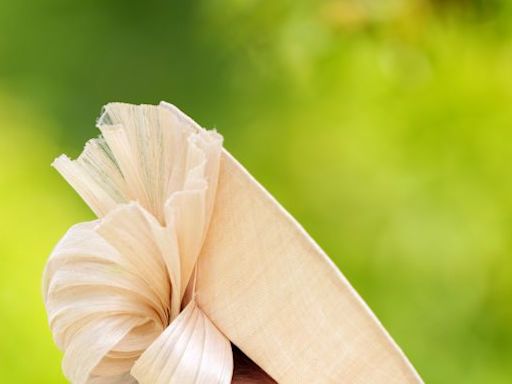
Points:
[(266, 284)]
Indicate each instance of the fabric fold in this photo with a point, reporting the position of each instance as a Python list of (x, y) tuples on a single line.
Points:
[(190, 350), (116, 285)]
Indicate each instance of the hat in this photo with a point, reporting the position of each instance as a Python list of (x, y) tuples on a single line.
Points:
[(191, 259)]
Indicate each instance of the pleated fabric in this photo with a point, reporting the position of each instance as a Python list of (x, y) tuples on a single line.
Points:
[(114, 288)]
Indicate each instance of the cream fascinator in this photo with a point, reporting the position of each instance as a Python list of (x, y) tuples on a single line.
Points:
[(191, 259)]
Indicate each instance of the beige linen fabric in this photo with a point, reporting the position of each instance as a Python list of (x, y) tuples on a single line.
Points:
[(190, 253), (269, 288)]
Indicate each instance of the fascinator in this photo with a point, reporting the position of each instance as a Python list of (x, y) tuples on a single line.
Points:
[(193, 273)]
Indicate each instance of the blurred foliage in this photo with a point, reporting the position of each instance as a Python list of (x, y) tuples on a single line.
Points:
[(383, 126)]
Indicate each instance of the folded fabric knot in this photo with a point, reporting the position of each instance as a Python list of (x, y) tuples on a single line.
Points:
[(120, 290)]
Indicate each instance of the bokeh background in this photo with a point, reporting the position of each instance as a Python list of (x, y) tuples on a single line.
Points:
[(384, 126)]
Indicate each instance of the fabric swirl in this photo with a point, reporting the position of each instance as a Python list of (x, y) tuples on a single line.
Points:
[(119, 290)]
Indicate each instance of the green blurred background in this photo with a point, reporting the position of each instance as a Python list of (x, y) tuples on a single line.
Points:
[(384, 126)]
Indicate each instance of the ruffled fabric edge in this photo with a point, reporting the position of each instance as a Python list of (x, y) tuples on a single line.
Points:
[(151, 179)]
